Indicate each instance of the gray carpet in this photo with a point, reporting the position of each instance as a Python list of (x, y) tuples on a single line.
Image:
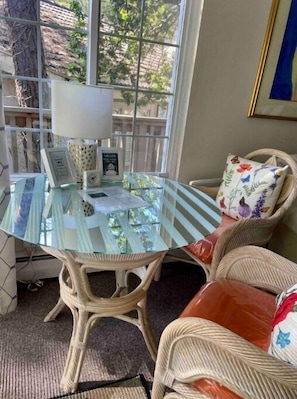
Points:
[(129, 388), (33, 353)]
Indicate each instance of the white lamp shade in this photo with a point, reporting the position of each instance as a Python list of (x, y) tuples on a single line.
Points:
[(81, 111)]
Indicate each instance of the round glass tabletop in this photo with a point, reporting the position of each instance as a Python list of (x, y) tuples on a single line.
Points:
[(143, 213)]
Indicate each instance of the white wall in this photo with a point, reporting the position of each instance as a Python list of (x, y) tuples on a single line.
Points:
[(230, 44)]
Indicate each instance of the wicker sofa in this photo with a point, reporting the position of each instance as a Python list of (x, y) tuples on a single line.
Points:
[(218, 347)]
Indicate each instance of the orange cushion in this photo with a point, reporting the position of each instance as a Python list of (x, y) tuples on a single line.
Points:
[(238, 307), (204, 248)]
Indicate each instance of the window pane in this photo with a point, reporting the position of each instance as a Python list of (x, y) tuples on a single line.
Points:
[(156, 65), (123, 102), (118, 58), (121, 17), (148, 154), (53, 13), (23, 127), (118, 63), (24, 115), (17, 152), (22, 93), (150, 126), (153, 105), (61, 57), (24, 151), (161, 20), (19, 9), (9, 94), (22, 42)]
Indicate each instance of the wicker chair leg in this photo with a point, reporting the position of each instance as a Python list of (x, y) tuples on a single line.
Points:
[(145, 328), (159, 388)]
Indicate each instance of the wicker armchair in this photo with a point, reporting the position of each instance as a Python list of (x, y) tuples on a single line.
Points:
[(252, 231), (192, 349)]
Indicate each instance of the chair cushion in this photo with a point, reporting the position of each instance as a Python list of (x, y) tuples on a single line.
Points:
[(249, 188), (283, 337), (238, 307), (203, 249)]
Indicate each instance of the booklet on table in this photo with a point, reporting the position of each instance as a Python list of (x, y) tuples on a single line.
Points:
[(111, 199)]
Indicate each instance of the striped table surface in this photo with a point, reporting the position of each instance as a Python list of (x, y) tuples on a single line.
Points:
[(143, 213)]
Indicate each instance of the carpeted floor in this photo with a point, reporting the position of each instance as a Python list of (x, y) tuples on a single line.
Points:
[(129, 388), (33, 353)]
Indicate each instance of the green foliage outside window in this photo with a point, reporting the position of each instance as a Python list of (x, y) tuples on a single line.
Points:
[(120, 47)]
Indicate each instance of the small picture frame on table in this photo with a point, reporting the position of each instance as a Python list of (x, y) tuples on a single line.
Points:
[(111, 163), (58, 166)]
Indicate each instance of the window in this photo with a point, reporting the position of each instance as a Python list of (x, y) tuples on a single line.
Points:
[(134, 45)]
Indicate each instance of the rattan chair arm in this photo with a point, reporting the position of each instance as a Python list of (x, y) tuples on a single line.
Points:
[(209, 190), (244, 232), (259, 267), (192, 348)]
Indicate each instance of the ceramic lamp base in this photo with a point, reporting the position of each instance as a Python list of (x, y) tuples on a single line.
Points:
[(83, 156)]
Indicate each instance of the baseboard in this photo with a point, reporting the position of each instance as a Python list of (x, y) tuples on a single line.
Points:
[(42, 265), (38, 268)]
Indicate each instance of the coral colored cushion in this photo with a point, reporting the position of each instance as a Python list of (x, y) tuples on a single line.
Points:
[(204, 248), (238, 307), (284, 333), (249, 189)]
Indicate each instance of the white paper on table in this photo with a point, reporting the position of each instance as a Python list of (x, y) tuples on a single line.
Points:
[(111, 199)]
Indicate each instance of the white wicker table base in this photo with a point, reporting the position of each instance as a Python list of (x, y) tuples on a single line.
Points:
[(87, 308)]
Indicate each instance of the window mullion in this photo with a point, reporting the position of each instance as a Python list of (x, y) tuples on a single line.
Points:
[(40, 88), (137, 84), (94, 16)]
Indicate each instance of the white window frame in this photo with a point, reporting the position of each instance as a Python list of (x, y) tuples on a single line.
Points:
[(184, 77)]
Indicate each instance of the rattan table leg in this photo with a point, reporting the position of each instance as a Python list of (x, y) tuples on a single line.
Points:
[(51, 316), (77, 350)]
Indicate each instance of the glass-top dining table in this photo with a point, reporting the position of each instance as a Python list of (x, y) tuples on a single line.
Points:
[(143, 213), (124, 227)]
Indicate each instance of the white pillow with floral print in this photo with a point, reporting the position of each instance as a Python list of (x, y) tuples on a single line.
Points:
[(283, 343), (249, 189)]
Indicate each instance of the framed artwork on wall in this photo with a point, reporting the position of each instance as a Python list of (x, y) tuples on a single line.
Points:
[(275, 90), (58, 166), (111, 163)]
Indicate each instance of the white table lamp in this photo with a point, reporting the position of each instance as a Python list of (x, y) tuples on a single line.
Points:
[(83, 113)]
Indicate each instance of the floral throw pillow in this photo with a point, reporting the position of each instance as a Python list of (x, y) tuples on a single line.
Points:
[(283, 344), (249, 189)]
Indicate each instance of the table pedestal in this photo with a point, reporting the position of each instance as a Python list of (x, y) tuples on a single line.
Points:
[(87, 308)]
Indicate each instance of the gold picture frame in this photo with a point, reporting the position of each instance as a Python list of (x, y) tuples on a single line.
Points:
[(277, 71)]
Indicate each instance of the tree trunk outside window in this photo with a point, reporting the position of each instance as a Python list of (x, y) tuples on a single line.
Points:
[(23, 42)]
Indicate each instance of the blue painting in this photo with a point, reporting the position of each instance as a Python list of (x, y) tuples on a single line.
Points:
[(284, 86)]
